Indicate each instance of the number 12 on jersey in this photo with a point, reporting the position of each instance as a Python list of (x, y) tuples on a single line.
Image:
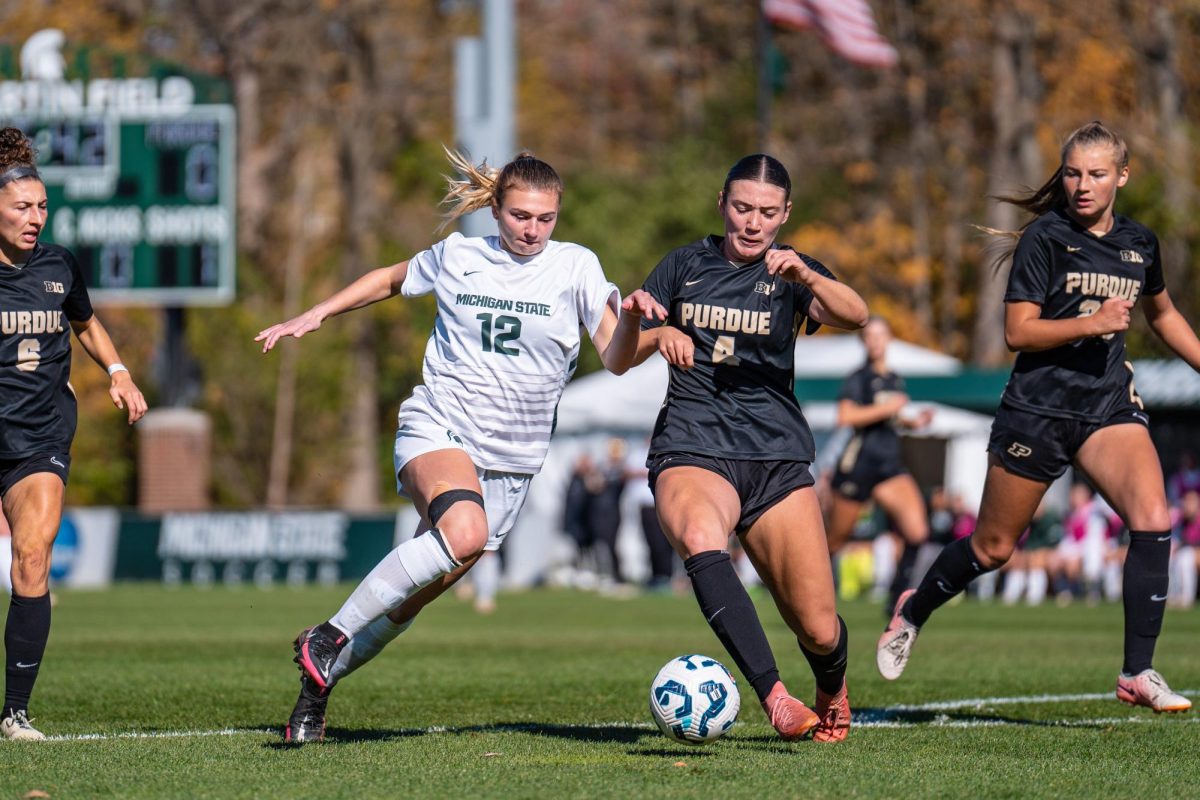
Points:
[(497, 332)]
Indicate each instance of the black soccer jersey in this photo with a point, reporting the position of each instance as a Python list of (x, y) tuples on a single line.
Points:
[(1070, 271), (737, 401), (38, 301), (879, 440)]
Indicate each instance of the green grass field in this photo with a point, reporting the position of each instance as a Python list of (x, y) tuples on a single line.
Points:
[(183, 694)]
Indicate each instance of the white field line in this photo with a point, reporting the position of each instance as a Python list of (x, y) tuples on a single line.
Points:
[(890, 717)]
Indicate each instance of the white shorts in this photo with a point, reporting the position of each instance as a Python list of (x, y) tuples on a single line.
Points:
[(504, 493)]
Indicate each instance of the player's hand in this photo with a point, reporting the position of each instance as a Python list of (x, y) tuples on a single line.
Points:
[(642, 304), (788, 265), (1113, 316), (307, 322), (894, 401), (919, 421), (676, 347), (126, 396)]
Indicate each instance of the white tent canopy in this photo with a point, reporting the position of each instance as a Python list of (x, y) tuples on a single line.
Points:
[(630, 402)]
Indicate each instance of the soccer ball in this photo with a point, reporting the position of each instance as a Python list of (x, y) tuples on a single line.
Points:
[(694, 699)]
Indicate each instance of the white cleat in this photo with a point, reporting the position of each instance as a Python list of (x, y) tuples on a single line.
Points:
[(1148, 689), (896, 643), (17, 727)]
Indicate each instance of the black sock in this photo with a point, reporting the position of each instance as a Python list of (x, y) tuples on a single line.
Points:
[(25, 636), (903, 577), (830, 669), (1144, 596), (730, 613), (955, 567)]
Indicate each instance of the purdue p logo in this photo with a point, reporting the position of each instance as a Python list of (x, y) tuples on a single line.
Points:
[(1019, 450)]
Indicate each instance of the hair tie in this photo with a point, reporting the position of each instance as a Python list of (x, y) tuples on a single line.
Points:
[(17, 173)]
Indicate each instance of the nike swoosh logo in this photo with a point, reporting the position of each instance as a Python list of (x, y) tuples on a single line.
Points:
[(21, 665), (692, 283), (1163, 539), (472, 272), (714, 616), (55, 461), (944, 588), (1073, 249), (1158, 598)]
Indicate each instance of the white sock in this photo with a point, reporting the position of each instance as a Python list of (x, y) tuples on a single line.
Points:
[(1039, 582), (367, 644), (1014, 585), (404, 571)]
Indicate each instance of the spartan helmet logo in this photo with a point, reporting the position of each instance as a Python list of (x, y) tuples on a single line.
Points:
[(41, 57)]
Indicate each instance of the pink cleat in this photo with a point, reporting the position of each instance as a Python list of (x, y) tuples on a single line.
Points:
[(790, 718), (1148, 689), (834, 711), (896, 643)]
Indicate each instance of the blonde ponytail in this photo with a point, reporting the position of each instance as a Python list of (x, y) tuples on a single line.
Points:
[(482, 186)]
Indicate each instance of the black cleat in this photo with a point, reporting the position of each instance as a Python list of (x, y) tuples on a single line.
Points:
[(317, 652), (307, 723)]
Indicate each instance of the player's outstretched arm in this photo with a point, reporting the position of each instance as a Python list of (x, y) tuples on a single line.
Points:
[(378, 284), (1170, 326), (1026, 332), (123, 391), (617, 340)]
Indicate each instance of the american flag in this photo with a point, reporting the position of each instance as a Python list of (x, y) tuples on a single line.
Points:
[(847, 26)]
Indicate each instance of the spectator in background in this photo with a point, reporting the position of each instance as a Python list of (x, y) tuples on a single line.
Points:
[(1185, 561), (1081, 553), (604, 512), (941, 517), (1186, 478), (662, 557), (577, 514), (1028, 572)]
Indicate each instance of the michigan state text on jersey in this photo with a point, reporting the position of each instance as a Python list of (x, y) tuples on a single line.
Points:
[(738, 400)]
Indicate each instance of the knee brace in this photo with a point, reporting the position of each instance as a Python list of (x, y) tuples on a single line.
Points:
[(441, 504)]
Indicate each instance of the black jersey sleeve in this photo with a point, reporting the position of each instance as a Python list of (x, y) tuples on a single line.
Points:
[(804, 295), (1154, 283), (661, 284), (1029, 278), (77, 305)]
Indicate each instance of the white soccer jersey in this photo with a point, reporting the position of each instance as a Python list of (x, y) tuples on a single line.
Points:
[(505, 342)]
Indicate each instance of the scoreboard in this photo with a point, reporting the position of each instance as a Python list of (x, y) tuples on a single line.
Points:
[(145, 201)]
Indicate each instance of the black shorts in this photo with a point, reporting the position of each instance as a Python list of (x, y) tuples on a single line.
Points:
[(759, 484), (1041, 448), (859, 470), (14, 469)]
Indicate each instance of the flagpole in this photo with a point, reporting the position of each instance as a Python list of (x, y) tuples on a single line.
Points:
[(764, 80)]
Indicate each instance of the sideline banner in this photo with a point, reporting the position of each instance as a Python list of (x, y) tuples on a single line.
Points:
[(96, 546)]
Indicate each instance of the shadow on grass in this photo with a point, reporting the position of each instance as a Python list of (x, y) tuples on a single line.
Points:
[(633, 735), (883, 717), (616, 733)]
